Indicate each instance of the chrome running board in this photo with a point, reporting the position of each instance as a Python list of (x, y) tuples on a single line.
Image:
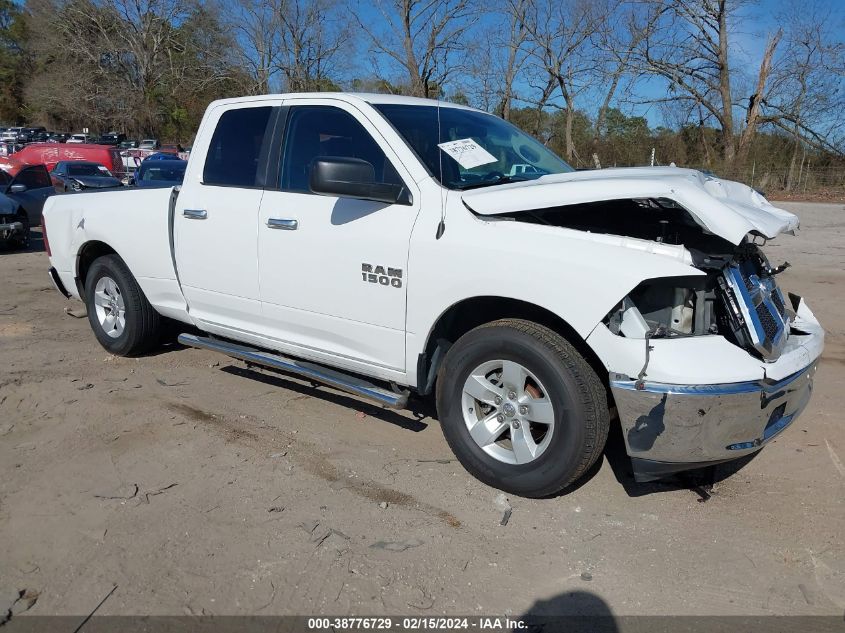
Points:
[(333, 378)]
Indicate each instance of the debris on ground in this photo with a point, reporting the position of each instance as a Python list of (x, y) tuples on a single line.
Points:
[(152, 493), (397, 546), (276, 509), (586, 576), (318, 533), (15, 603), (383, 505), (77, 313), (501, 503), (424, 603), (275, 455), (164, 383), (134, 493)]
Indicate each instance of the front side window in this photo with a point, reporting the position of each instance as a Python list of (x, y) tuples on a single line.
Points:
[(511, 154), (235, 149), (323, 131), (34, 177)]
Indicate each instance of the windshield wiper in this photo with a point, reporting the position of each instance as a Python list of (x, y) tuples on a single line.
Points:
[(501, 180)]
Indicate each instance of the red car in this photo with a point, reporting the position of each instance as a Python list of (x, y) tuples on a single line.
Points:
[(49, 154)]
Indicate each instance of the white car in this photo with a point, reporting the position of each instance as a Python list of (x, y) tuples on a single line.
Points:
[(383, 245), (148, 144), (10, 135), (79, 138)]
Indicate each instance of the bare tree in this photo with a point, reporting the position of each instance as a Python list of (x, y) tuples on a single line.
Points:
[(137, 65), (256, 27), (423, 37), (806, 96), (561, 32), (311, 39), (688, 44), (514, 45), (618, 40)]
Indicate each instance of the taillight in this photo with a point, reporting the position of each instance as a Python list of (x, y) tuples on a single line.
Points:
[(44, 236)]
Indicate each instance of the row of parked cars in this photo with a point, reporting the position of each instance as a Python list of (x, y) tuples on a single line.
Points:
[(40, 170), (24, 135)]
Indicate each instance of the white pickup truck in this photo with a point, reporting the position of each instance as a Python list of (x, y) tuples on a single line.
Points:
[(388, 246)]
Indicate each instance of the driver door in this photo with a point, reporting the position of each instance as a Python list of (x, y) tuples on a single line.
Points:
[(333, 271)]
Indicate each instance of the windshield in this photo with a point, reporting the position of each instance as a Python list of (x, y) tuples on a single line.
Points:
[(159, 173), (87, 169), (486, 150)]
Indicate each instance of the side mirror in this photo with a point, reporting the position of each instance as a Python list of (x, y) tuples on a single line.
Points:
[(17, 188), (353, 178)]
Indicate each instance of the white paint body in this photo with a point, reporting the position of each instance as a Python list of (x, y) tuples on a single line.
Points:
[(301, 292)]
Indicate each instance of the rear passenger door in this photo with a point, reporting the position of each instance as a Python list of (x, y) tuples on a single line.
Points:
[(333, 271), (216, 217)]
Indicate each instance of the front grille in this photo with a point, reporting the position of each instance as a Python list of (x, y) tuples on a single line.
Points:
[(755, 295), (777, 299), (767, 320)]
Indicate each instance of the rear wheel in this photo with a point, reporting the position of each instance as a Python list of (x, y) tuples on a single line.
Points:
[(520, 407), (122, 319)]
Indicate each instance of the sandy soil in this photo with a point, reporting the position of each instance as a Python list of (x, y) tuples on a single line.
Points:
[(196, 486)]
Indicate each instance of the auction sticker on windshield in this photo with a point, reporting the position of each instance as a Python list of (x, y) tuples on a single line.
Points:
[(467, 152)]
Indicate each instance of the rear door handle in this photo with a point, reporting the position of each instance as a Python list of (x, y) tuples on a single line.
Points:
[(283, 224), (195, 214)]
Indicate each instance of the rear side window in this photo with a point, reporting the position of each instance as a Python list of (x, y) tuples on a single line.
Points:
[(321, 131), (34, 177), (235, 151)]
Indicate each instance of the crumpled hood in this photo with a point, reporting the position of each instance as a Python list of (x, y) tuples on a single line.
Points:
[(97, 182), (725, 208)]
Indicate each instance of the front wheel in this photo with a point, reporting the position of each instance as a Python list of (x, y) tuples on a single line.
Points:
[(520, 407), (122, 319)]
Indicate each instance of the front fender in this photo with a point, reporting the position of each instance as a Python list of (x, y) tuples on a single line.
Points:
[(577, 276)]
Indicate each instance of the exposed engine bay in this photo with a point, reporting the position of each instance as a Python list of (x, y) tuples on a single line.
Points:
[(737, 298), (659, 220)]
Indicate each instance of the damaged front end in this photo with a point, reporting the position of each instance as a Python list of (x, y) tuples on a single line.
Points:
[(707, 367), (674, 426), (737, 297)]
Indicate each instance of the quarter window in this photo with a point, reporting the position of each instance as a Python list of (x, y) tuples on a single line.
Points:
[(322, 131), (235, 151)]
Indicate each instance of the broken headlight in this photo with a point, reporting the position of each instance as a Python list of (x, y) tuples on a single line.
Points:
[(674, 306)]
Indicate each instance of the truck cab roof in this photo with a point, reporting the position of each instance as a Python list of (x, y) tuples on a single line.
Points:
[(349, 97)]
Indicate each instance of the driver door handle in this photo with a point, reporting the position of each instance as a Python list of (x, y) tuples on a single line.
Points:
[(195, 214), (284, 224)]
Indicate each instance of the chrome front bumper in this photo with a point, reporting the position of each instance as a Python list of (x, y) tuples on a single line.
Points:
[(669, 428)]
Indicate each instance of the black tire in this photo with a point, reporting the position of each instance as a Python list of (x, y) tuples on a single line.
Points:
[(141, 330), (581, 415)]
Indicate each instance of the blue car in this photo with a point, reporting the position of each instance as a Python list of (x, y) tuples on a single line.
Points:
[(160, 173), (162, 156)]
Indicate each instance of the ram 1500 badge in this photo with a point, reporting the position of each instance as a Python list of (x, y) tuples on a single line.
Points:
[(534, 302)]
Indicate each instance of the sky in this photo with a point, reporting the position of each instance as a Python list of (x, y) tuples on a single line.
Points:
[(748, 39)]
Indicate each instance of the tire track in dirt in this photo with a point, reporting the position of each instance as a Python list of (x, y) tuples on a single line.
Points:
[(309, 458)]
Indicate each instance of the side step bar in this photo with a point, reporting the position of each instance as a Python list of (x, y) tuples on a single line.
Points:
[(333, 378)]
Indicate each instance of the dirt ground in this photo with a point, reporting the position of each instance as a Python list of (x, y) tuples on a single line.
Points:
[(196, 486)]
